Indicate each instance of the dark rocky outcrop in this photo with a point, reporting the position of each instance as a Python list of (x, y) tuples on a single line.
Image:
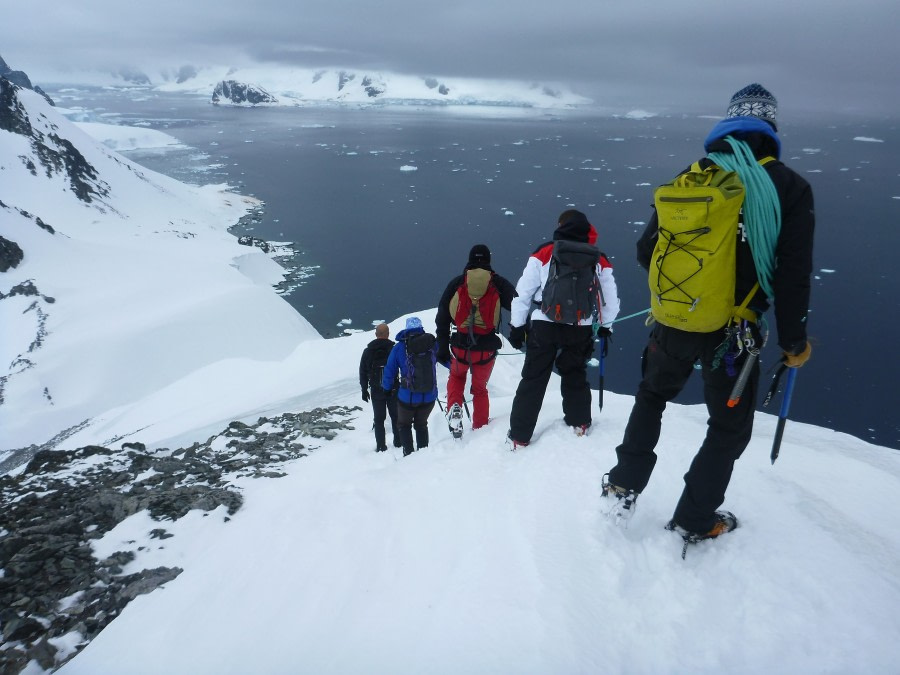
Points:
[(247, 240), (231, 91), (18, 77), (372, 90), (10, 254), (53, 153), (52, 584)]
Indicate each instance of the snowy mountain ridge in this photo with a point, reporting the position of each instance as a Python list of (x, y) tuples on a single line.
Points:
[(302, 86), (99, 237), (153, 339)]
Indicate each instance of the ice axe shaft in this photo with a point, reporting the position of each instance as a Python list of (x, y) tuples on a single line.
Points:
[(782, 416)]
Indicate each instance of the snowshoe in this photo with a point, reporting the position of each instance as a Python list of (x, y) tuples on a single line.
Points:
[(455, 420), (622, 502), (581, 429), (725, 522)]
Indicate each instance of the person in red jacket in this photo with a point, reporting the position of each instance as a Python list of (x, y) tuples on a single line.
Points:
[(471, 348)]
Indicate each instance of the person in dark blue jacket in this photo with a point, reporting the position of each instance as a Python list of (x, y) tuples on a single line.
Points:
[(414, 358)]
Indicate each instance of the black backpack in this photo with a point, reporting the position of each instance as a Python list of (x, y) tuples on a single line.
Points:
[(572, 288), (420, 363), (379, 357)]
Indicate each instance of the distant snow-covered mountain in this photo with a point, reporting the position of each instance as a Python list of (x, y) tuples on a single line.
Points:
[(297, 86), (302, 86)]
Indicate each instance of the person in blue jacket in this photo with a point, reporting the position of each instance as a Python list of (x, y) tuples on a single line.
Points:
[(414, 357)]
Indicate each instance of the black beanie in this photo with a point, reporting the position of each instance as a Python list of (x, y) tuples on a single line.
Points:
[(573, 225), (480, 255)]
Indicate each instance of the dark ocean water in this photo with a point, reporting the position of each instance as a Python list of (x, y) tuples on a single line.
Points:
[(385, 238)]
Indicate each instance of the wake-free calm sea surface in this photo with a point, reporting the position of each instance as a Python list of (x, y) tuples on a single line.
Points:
[(384, 204)]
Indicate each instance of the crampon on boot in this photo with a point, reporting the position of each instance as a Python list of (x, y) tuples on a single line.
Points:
[(514, 444), (725, 522), (622, 502)]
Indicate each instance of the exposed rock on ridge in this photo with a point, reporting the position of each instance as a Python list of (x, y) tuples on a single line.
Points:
[(231, 91), (53, 589), (20, 78)]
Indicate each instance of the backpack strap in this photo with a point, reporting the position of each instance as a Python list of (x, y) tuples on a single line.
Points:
[(742, 312)]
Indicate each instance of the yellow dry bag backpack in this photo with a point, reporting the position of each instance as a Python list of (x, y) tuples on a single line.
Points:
[(693, 266)]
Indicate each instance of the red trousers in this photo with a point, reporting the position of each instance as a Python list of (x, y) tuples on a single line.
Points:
[(481, 364)]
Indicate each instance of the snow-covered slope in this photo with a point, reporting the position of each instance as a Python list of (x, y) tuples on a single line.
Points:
[(129, 279), (467, 558)]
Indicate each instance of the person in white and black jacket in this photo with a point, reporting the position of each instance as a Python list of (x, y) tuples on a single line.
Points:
[(549, 344)]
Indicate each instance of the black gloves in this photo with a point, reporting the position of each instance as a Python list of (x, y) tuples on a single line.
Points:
[(443, 352), (365, 395), (604, 333), (517, 336)]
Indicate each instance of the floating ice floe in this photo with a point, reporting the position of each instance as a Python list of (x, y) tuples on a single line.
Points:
[(867, 139), (408, 167), (345, 322), (824, 271)]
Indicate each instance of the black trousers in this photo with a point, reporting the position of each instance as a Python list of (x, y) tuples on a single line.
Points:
[(668, 362), (568, 348), (381, 408), (413, 416)]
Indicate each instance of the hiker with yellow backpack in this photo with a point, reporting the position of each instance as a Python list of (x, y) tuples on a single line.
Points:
[(471, 303), (731, 234)]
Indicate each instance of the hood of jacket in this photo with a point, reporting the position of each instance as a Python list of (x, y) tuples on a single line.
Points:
[(406, 332)]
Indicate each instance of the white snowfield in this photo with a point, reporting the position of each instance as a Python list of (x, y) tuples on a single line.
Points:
[(462, 558), (468, 558)]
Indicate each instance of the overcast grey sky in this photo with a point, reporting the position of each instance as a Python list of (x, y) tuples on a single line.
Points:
[(658, 54)]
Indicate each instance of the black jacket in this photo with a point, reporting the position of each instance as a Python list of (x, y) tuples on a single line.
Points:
[(793, 252), (487, 343), (377, 346)]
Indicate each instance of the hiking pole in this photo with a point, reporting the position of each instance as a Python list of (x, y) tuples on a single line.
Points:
[(782, 416), (602, 370)]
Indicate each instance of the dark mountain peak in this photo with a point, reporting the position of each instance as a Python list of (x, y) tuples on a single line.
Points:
[(232, 91), (19, 78), (51, 154)]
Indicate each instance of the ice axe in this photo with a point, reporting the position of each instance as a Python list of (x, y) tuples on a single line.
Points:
[(785, 406)]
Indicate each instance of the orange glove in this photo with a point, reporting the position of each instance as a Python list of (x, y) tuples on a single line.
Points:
[(797, 360)]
